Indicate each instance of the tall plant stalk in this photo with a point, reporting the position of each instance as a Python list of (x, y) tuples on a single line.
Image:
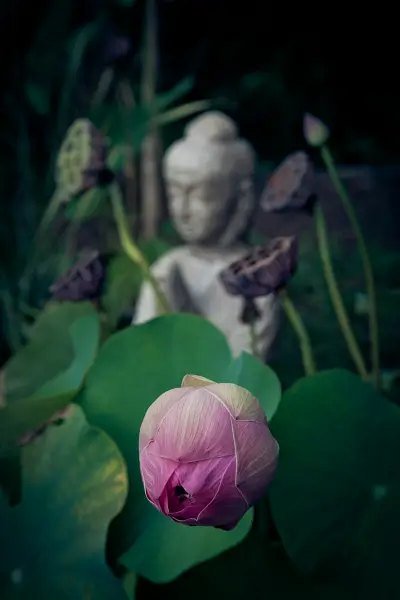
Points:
[(151, 187), (366, 262), (300, 330), (130, 158), (132, 250), (334, 292), (31, 263)]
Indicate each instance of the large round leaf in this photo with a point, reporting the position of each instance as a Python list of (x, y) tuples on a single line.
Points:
[(133, 368), (256, 568), (372, 559), (52, 545), (167, 549), (48, 372), (339, 447), (258, 378)]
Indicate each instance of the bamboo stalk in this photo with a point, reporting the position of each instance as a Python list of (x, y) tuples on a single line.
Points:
[(151, 187)]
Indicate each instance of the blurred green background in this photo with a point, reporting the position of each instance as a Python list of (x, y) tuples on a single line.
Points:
[(263, 64)]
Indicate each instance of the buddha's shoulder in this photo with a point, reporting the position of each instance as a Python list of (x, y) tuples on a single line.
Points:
[(188, 257)]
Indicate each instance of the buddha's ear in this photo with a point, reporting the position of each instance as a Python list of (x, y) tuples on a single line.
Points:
[(244, 209)]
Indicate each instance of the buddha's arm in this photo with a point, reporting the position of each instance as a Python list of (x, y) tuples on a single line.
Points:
[(267, 327), (166, 271), (228, 313)]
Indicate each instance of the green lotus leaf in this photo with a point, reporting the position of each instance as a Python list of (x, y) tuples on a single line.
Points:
[(167, 549), (52, 544), (255, 568), (48, 372), (133, 368), (250, 373), (339, 446), (371, 559)]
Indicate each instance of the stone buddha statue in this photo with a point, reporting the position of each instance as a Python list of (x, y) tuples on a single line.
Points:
[(210, 189)]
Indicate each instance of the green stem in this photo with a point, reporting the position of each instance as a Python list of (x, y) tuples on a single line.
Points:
[(367, 267), (336, 298), (299, 328), (49, 214), (47, 219), (132, 250)]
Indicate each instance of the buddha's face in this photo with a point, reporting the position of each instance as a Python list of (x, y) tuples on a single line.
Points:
[(200, 205)]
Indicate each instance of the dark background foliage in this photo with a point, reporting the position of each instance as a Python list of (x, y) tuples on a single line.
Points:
[(264, 64), (271, 62)]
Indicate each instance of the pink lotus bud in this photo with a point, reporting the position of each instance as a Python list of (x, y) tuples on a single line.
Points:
[(206, 453), (315, 131)]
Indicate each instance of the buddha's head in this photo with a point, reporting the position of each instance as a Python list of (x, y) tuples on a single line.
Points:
[(209, 175)]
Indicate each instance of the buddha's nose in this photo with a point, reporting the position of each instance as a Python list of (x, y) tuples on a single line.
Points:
[(185, 211)]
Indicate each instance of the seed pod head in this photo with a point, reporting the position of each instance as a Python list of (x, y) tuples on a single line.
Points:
[(81, 159), (291, 185), (263, 271), (83, 281)]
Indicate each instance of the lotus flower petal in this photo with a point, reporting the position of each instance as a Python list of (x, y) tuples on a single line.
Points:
[(200, 482), (240, 403), (204, 429), (156, 474), (195, 381), (228, 526), (256, 458), (206, 453), (228, 504), (156, 413)]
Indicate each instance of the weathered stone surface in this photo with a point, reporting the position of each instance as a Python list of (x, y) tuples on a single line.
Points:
[(210, 188)]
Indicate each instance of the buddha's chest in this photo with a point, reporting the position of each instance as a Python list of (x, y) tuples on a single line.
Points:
[(200, 275)]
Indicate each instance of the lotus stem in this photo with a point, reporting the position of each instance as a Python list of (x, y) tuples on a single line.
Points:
[(131, 249), (49, 214), (48, 217), (300, 330), (367, 267), (336, 298)]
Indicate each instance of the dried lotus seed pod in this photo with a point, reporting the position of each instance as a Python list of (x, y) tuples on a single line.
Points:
[(291, 185), (81, 159), (264, 270), (83, 281)]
